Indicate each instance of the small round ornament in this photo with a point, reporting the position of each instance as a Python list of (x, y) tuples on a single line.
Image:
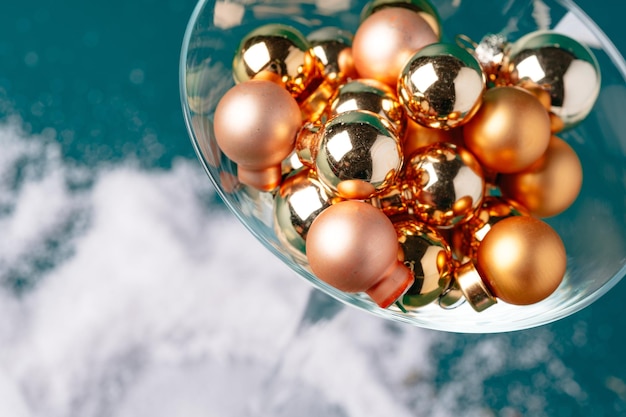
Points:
[(441, 86), (276, 52), (446, 183), (522, 260), (353, 247), (423, 8), (332, 49), (467, 237), (358, 155), (564, 67), (255, 125), (369, 95), (425, 252), (393, 201), (510, 131), (385, 40), (300, 199), (550, 185)]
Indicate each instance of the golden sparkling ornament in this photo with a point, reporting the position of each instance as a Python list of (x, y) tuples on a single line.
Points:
[(261, 140), (522, 260), (300, 199), (276, 52), (446, 183), (565, 68), (369, 95), (424, 251), (510, 131), (353, 247), (441, 86), (358, 156), (332, 50), (467, 237), (386, 39), (550, 185)]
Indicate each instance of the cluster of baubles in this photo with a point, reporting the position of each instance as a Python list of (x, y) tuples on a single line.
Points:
[(409, 169)]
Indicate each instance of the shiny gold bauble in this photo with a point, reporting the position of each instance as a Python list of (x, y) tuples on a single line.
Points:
[(369, 95), (353, 247), (332, 50), (562, 66), (277, 53), (425, 252), (446, 183), (467, 237), (441, 86), (299, 200), (418, 136), (393, 201), (255, 125), (510, 131), (522, 260), (550, 185), (358, 155), (385, 40), (307, 141)]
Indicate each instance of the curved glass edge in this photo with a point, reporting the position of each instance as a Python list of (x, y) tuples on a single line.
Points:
[(479, 325)]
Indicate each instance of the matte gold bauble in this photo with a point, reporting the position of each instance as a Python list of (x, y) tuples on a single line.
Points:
[(510, 131), (276, 52), (550, 185), (386, 40), (522, 260), (369, 95), (300, 199), (446, 183), (358, 155), (441, 86), (353, 247), (255, 125), (425, 252)]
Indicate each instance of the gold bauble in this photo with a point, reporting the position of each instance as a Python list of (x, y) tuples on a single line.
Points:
[(332, 49), (510, 131), (299, 200), (358, 155), (369, 95), (441, 86), (522, 260), (550, 185), (278, 53), (425, 252), (445, 183)]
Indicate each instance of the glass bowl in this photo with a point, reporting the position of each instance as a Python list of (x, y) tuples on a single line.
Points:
[(593, 228)]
